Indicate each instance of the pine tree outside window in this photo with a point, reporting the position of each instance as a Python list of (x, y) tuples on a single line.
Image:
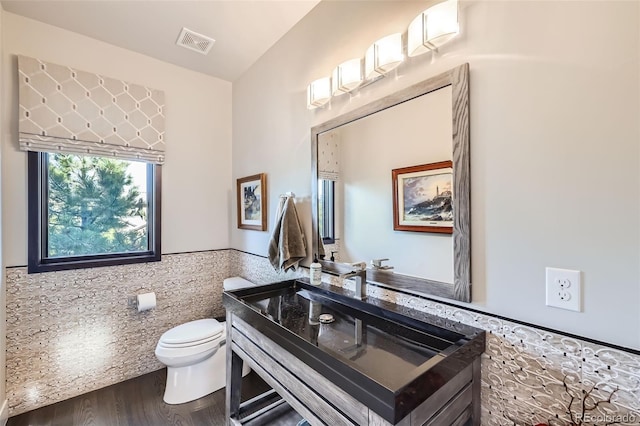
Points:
[(87, 211)]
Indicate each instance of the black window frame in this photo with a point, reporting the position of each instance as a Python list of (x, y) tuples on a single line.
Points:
[(38, 220), (328, 211)]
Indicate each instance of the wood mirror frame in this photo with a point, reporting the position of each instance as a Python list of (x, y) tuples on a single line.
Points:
[(458, 79)]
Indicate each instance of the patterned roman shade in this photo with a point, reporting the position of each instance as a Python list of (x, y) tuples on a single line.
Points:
[(66, 110), (329, 156)]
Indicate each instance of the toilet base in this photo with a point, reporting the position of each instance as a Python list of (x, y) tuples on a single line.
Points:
[(188, 383)]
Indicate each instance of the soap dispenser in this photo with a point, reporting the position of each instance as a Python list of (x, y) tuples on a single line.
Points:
[(315, 272)]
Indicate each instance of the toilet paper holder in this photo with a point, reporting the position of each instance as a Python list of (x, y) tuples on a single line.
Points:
[(142, 302), (132, 301)]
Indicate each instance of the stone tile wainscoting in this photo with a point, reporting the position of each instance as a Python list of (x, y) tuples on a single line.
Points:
[(258, 269), (71, 332)]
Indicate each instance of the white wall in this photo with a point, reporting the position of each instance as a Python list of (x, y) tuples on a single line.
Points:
[(369, 149), (555, 159), (3, 292), (195, 177)]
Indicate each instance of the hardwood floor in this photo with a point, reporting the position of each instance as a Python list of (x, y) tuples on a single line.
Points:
[(138, 402)]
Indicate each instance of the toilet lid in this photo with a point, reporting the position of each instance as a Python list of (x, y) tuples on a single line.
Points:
[(236, 283), (193, 331)]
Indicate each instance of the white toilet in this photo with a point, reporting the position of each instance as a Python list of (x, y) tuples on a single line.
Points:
[(195, 355)]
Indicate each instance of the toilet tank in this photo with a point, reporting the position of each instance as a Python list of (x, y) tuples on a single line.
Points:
[(236, 283)]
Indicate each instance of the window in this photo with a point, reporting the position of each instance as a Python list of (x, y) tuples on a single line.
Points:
[(326, 210), (91, 211)]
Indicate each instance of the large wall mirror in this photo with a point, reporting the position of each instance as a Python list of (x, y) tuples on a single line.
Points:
[(407, 152)]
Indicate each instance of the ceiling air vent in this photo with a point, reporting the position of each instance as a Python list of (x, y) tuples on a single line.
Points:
[(194, 41)]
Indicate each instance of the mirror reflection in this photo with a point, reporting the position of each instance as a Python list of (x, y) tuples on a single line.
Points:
[(355, 186), (355, 156)]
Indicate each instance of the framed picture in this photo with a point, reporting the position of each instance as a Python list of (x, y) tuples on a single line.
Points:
[(422, 198), (252, 202)]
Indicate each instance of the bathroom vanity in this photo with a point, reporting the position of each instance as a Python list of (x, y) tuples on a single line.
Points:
[(375, 363)]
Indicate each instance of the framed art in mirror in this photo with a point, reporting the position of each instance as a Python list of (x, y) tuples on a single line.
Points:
[(423, 198), (252, 202)]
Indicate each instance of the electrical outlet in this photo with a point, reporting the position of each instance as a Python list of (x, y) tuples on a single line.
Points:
[(563, 289)]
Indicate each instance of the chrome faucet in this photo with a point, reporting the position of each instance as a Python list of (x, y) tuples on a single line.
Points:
[(377, 265), (360, 275)]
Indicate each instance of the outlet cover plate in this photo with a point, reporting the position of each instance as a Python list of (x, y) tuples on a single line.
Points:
[(564, 289)]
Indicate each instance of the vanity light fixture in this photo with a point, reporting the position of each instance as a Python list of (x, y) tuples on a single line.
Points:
[(383, 56), (346, 77), (428, 31), (318, 92), (433, 28)]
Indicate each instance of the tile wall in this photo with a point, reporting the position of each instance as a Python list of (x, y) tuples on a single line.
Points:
[(52, 316), (71, 332), (257, 269)]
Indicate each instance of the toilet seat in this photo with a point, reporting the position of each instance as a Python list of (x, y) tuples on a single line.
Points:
[(192, 333), (189, 344), (183, 354), (190, 340)]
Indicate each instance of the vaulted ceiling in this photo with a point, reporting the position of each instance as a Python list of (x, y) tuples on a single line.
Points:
[(243, 29)]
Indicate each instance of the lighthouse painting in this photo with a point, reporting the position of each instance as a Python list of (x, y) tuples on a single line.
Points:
[(423, 198)]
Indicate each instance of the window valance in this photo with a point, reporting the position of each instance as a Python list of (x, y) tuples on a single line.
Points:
[(66, 110), (329, 157)]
